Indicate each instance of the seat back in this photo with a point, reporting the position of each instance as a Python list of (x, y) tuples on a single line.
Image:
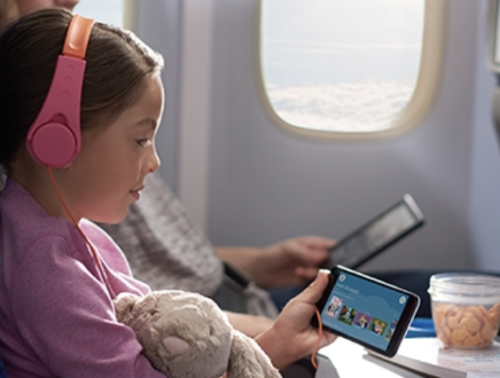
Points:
[(3, 374)]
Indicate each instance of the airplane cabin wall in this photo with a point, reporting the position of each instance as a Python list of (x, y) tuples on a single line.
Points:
[(265, 184), (158, 23)]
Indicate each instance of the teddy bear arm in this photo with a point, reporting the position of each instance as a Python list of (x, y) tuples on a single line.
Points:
[(123, 305)]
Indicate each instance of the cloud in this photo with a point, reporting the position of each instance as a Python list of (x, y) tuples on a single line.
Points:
[(305, 45), (361, 107)]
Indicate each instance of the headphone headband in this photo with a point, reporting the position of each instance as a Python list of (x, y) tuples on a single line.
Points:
[(54, 138), (77, 37)]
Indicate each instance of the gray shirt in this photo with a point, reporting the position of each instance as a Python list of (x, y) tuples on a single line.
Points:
[(167, 251)]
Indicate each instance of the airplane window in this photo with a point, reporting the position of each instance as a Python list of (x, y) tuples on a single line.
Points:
[(109, 11), (349, 67)]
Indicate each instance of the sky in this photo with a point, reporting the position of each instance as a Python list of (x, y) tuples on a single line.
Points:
[(341, 65)]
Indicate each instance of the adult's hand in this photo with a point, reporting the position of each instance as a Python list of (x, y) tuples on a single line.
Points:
[(291, 262)]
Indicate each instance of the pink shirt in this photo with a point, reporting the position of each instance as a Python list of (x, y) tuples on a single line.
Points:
[(56, 314)]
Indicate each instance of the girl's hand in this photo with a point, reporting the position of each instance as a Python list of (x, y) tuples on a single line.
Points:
[(292, 336)]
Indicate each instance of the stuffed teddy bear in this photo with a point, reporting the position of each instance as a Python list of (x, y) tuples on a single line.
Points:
[(186, 335)]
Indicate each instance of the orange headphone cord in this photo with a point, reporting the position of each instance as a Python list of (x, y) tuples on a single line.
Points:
[(320, 334), (92, 249)]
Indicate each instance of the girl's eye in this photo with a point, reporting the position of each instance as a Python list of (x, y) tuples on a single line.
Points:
[(144, 142)]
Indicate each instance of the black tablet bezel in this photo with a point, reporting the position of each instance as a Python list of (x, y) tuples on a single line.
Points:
[(408, 202)]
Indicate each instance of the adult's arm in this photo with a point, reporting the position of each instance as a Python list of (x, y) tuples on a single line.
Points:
[(250, 325), (290, 262)]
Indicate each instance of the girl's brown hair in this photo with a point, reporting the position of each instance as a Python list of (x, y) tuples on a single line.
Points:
[(118, 64)]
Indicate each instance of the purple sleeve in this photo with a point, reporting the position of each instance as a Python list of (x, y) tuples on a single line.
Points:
[(108, 249), (66, 316)]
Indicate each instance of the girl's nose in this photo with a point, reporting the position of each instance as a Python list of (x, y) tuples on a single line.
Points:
[(153, 162)]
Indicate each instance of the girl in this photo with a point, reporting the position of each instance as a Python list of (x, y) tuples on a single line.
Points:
[(58, 271)]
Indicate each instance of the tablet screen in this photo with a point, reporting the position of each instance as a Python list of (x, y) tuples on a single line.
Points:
[(364, 310)]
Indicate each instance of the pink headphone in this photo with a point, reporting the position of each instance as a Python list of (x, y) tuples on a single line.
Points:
[(54, 138)]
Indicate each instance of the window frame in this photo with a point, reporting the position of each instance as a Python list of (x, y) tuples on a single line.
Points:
[(420, 102), (128, 16)]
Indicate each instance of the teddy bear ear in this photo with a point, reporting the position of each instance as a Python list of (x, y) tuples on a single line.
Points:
[(247, 360), (124, 303)]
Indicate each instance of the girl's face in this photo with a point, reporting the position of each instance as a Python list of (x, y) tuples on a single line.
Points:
[(108, 174)]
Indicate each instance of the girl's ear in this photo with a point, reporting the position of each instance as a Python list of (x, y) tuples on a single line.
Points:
[(247, 359)]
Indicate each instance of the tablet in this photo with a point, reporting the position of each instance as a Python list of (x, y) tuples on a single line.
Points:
[(378, 234)]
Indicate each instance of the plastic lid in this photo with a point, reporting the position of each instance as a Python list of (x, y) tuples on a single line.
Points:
[(465, 288), (421, 327)]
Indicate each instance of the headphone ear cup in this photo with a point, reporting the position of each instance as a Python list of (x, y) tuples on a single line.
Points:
[(54, 137), (54, 144)]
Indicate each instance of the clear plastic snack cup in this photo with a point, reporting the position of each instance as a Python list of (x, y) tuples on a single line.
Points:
[(465, 309)]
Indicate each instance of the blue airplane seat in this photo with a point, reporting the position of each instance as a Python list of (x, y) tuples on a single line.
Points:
[(3, 374)]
